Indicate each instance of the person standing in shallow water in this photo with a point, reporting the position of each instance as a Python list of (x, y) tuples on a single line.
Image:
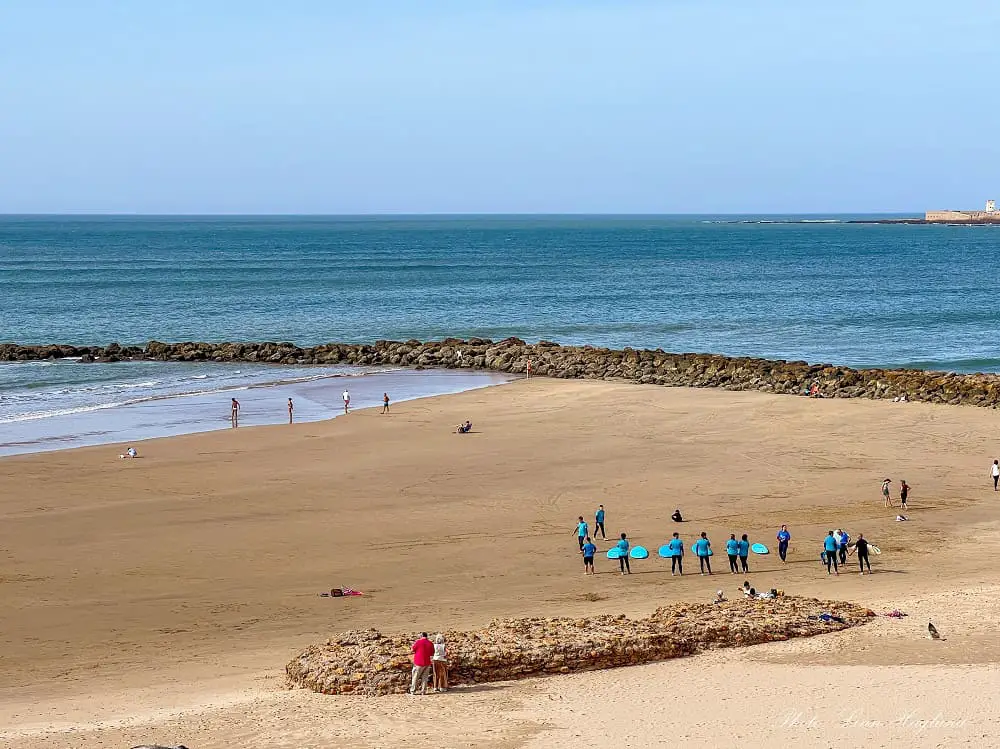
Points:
[(783, 538), (290, 409), (623, 549), (385, 403), (744, 552), (234, 413), (347, 400)]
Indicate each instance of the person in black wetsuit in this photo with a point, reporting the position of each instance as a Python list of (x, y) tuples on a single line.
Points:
[(861, 547), (676, 517)]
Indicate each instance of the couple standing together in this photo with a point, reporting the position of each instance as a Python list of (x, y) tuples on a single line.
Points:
[(429, 658)]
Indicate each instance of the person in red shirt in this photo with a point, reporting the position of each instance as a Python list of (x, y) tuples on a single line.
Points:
[(423, 651)]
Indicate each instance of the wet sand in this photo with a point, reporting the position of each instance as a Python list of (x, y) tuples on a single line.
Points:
[(160, 598)]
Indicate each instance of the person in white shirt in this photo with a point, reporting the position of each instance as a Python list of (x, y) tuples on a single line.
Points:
[(440, 663), (995, 472), (347, 401)]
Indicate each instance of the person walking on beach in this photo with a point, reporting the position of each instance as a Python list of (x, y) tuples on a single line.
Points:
[(843, 539), (995, 473), (783, 538), (623, 548), (527, 370), (581, 530), (347, 400), (677, 554), (385, 403), (886, 499), (439, 663), (588, 552), (733, 551), (290, 409), (861, 547), (599, 522), (423, 651), (702, 549), (904, 492), (744, 552), (830, 551), (234, 413)]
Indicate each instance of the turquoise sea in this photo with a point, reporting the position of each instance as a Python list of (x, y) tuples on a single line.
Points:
[(824, 291)]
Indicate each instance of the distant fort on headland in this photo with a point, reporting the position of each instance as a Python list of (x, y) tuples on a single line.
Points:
[(989, 216)]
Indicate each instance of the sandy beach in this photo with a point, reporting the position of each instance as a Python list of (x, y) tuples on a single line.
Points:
[(159, 599)]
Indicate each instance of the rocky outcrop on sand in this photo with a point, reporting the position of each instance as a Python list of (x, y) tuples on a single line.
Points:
[(369, 663), (570, 362)]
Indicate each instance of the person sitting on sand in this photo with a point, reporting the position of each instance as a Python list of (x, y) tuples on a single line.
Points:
[(465, 428), (719, 596), (130, 453), (676, 517)]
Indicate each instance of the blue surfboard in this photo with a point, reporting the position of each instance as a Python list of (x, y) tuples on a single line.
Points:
[(639, 552), (665, 551), (759, 549), (614, 553)]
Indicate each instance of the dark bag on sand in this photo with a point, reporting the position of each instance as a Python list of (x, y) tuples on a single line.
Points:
[(336, 592)]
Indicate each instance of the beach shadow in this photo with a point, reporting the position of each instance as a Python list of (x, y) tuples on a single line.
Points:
[(471, 688)]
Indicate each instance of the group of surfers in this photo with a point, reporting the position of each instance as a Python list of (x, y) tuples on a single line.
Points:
[(836, 546)]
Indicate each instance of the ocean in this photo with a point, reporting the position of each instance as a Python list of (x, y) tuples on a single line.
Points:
[(823, 291)]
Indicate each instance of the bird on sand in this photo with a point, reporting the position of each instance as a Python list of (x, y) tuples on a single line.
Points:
[(932, 631)]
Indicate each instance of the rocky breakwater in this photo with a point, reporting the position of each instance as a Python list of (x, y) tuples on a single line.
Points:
[(367, 662), (512, 355)]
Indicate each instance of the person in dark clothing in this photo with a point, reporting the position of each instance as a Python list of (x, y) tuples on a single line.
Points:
[(904, 492), (744, 544), (861, 547), (733, 552), (676, 517), (783, 538), (677, 549)]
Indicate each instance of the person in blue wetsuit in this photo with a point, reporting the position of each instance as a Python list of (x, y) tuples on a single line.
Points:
[(783, 538), (677, 549), (588, 552), (599, 522), (623, 547), (701, 548), (744, 552), (830, 549), (733, 551), (582, 531)]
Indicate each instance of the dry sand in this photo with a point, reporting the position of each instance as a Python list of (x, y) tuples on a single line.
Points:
[(159, 599)]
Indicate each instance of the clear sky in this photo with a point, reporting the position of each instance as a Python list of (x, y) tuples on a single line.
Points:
[(325, 106)]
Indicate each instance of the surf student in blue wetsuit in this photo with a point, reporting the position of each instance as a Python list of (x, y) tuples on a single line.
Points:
[(623, 546), (830, 549), (733, 551), (581, 530), (744, 551), (677, 549), (599, 522), (588, 552), (783, 538), (701, 547)]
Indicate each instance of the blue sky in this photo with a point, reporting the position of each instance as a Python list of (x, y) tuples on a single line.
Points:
[(677, 106)]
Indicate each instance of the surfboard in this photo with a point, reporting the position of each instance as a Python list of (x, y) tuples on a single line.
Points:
[(759, 549), (639, 552), (614, 553), (666, 552), (694, 550), (874, 548)]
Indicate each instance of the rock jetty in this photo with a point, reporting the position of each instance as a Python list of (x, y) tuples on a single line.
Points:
[(366, 662), (511, 355)]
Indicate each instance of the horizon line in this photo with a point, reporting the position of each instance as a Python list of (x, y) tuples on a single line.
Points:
[(457, 214)]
